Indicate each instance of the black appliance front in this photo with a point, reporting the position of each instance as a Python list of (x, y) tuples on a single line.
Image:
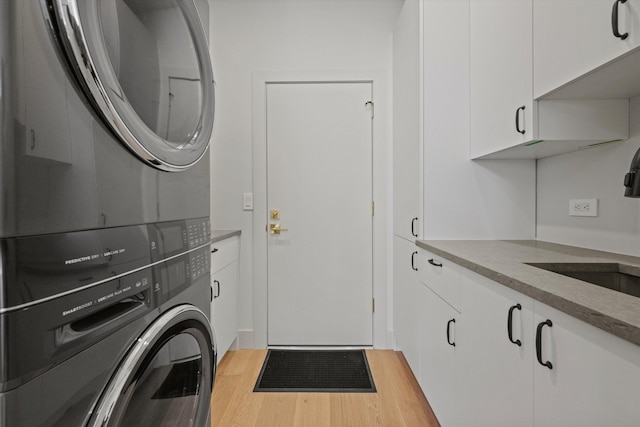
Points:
[(106, 111), (166, 378), (107, 327)]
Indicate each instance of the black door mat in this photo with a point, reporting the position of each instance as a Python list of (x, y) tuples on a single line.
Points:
[(328, 371)]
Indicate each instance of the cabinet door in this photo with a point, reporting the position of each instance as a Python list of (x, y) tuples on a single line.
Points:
[(407, 165), (496, 375), (223, 307), (572, 37), (407, 311), (593, 379), (438, 355), (501, 74)]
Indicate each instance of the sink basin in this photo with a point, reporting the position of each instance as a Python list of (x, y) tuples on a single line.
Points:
[(618, 277)]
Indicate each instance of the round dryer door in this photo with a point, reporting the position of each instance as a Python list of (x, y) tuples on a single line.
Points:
[(166, 378), (145, 67)]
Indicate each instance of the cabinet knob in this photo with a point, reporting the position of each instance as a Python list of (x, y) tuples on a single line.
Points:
[(435, 264), (451, 343), (217, 284), (518, 120), (539, 343), (614, 20), (510, 325)]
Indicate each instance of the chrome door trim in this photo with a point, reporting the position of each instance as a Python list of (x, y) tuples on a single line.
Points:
[(143, 348), (75, 44)]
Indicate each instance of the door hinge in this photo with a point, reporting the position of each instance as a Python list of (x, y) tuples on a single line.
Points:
[(373, 305), (371, 106), (373, 208)]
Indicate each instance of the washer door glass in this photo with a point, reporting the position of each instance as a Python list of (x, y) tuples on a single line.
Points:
[(167, 377), (145, 67)]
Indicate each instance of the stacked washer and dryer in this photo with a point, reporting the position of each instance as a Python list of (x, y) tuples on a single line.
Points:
[(106, 111)]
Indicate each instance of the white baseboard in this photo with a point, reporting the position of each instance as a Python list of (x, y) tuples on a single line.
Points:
[(246, 339), (391, 339)]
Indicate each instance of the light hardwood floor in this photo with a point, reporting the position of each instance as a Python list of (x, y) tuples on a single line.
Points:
[(398, 401)]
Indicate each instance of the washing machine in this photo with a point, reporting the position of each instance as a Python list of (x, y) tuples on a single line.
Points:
[(106, 112)]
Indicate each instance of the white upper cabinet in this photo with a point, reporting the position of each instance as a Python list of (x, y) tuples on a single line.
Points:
[(574, 38), (506, 121), (407, 159), (501, 74)]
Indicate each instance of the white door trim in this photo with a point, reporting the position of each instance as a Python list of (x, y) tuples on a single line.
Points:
[(381, 184)]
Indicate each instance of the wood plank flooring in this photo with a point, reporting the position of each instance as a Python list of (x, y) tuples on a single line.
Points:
[(398, 402)]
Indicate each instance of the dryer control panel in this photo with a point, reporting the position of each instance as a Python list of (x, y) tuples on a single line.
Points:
[(199, 233), (172, 238)]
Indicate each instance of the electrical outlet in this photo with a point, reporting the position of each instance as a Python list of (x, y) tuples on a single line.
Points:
[(583, 207)]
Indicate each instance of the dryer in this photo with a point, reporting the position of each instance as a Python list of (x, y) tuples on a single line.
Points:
[(106, 112)]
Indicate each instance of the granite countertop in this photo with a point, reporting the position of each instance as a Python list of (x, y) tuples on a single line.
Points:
[(218, 235), (504, 262)]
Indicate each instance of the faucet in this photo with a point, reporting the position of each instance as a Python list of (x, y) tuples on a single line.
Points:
[(632, 179)]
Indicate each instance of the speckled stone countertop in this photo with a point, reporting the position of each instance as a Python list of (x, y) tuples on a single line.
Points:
[(218, 235), (504, 262)]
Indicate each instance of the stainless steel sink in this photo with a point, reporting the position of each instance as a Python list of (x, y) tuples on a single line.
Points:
[(618, 277)]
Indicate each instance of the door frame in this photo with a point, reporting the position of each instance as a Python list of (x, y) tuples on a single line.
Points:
[(381, 184)]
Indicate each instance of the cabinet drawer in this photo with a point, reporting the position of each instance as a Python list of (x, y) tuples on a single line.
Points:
[(224, 253), (441, 276)]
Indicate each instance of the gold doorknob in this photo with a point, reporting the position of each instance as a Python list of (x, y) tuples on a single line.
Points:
[(276, 229)]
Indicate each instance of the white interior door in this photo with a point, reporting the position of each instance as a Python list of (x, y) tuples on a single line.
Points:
[(319, 179)]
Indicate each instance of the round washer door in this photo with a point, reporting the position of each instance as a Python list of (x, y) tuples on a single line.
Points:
[(167, 376), (145, 67)]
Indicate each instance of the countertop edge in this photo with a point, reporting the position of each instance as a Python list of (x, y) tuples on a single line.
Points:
[(607, 322), (218, 235)]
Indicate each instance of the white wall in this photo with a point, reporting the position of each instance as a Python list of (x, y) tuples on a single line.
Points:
[(596, 173), (250, 36)]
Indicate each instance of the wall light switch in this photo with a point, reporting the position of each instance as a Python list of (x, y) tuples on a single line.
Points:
[(583, 207), (247, 201)]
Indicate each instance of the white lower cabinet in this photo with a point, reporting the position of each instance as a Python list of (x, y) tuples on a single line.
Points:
[(224, 282), (439, 355), (593, 378), (496, 349), (408, 311), (563, 372), (441, 276)]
